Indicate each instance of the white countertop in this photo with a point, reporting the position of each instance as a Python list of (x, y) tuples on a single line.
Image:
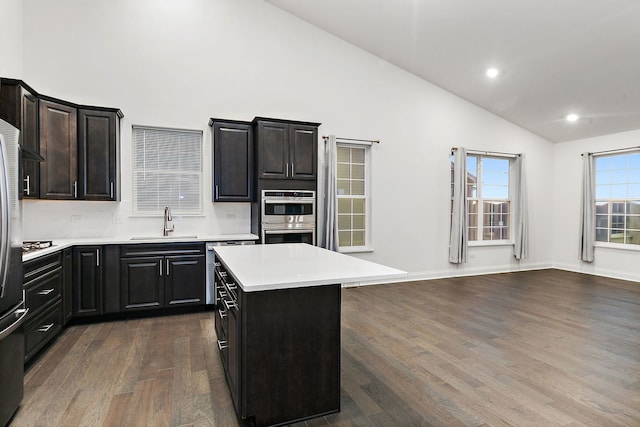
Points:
[(295, 265), (59, 244)]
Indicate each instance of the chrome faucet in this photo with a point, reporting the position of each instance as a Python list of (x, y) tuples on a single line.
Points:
[(167, 218)]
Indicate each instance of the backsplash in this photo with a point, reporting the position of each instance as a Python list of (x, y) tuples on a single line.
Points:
[(52, 219)]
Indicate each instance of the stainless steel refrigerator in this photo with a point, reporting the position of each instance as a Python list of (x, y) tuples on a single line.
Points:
[(12, 312)]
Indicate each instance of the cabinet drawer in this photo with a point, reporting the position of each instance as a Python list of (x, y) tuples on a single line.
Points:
[(163, 249), (36, 267), (42, 329), (43, 291)]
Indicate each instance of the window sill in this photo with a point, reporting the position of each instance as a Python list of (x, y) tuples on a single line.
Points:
[(491, 243), (353, 250), (619, 246)]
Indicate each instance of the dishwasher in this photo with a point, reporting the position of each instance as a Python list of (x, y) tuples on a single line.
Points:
[(211, 295)]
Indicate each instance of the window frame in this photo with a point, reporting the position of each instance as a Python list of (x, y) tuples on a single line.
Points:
[(368, 246), (480, 199), (611, 201), (176, 211)]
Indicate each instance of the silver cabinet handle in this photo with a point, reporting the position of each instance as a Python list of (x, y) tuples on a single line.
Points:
[(217, 264), (45, 328), (223, 294), (167, 267), (111, 189), (222, 344), (217, 194), (27, 181), (232, 286), (230, 304), (75, 189), (291, 170), (160, 267), (97, 257), (223, 313), (46, 291)]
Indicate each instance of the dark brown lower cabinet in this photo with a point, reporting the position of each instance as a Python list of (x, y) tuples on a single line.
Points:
[(67, 285), (281, 352), (87, 280), (43, 289), (153, 276)]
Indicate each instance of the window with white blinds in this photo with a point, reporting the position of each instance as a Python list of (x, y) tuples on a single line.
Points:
[(167, 171)]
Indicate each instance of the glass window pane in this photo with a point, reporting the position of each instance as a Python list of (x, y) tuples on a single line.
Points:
[(343, 155), (344, 238), (633, 238), (619, 191), (357, 171), (633, 191), (358, 205), (617, 208), (603, 191), (602, 235), (343, 187), (343, 170), (602, 221), (633, 222), (358, 222), (357, 155), (344, 205), (358, 238), (344, 222), (602, 208), (357, 188), (473, 234)]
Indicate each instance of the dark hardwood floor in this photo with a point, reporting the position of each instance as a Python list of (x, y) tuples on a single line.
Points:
[(539, 348)]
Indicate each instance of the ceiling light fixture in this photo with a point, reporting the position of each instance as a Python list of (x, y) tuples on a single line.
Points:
[(572, 117), (492, 73)]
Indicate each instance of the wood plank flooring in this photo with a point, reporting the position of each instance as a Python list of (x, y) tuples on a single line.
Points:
[(540, 348)]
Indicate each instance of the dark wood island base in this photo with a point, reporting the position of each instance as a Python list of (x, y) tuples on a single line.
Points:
[(280, 349)]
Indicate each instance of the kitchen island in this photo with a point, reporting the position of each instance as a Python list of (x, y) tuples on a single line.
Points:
[(278, 327)]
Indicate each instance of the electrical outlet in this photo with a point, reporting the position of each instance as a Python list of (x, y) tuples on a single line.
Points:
[(76, 218)]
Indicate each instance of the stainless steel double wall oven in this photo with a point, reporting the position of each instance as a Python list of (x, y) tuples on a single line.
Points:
[(288, 216)]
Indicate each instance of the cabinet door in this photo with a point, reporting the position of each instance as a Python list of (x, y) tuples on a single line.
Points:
[(97, 137), (141, 281), (185, 280), (273, 150), (233, 162), (87, 280), (303, 151), (59, 147), (67, 285), (30, 140)]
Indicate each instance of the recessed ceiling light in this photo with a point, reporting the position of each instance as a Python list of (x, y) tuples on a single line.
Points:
[(492, 72), (572, 117)]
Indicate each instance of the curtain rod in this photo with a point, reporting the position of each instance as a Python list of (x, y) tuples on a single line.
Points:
[(488, 153), (354, 139), (617, 150)]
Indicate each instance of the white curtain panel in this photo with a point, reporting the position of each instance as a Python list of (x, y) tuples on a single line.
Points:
[(330, 212), (520, 231), (587, 214), (458, 239)]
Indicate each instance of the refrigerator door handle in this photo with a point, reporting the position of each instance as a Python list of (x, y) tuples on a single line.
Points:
[(21, 315), (4, 216)]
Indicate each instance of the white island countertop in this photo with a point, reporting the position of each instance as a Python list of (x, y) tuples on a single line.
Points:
[(295, 265)]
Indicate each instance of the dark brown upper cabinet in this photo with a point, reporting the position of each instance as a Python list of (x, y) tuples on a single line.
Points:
[(233, 165), (98, 134), (287, 149), (59, 147), (80, 145), (19, 107)]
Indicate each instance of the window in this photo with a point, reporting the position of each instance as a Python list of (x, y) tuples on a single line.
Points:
[(167, 171), (352, 173), (618, 198), (488, 198)]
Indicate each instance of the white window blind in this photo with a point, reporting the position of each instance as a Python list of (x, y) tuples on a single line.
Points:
[(167, 171)]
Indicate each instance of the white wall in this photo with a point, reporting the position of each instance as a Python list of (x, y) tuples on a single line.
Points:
[(177, 63), (11, 38), (565, 210)]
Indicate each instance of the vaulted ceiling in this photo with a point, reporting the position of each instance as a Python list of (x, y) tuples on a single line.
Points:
[(554, 57)]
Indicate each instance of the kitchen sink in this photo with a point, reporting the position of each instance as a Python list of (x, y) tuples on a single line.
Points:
[(163, 237)]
